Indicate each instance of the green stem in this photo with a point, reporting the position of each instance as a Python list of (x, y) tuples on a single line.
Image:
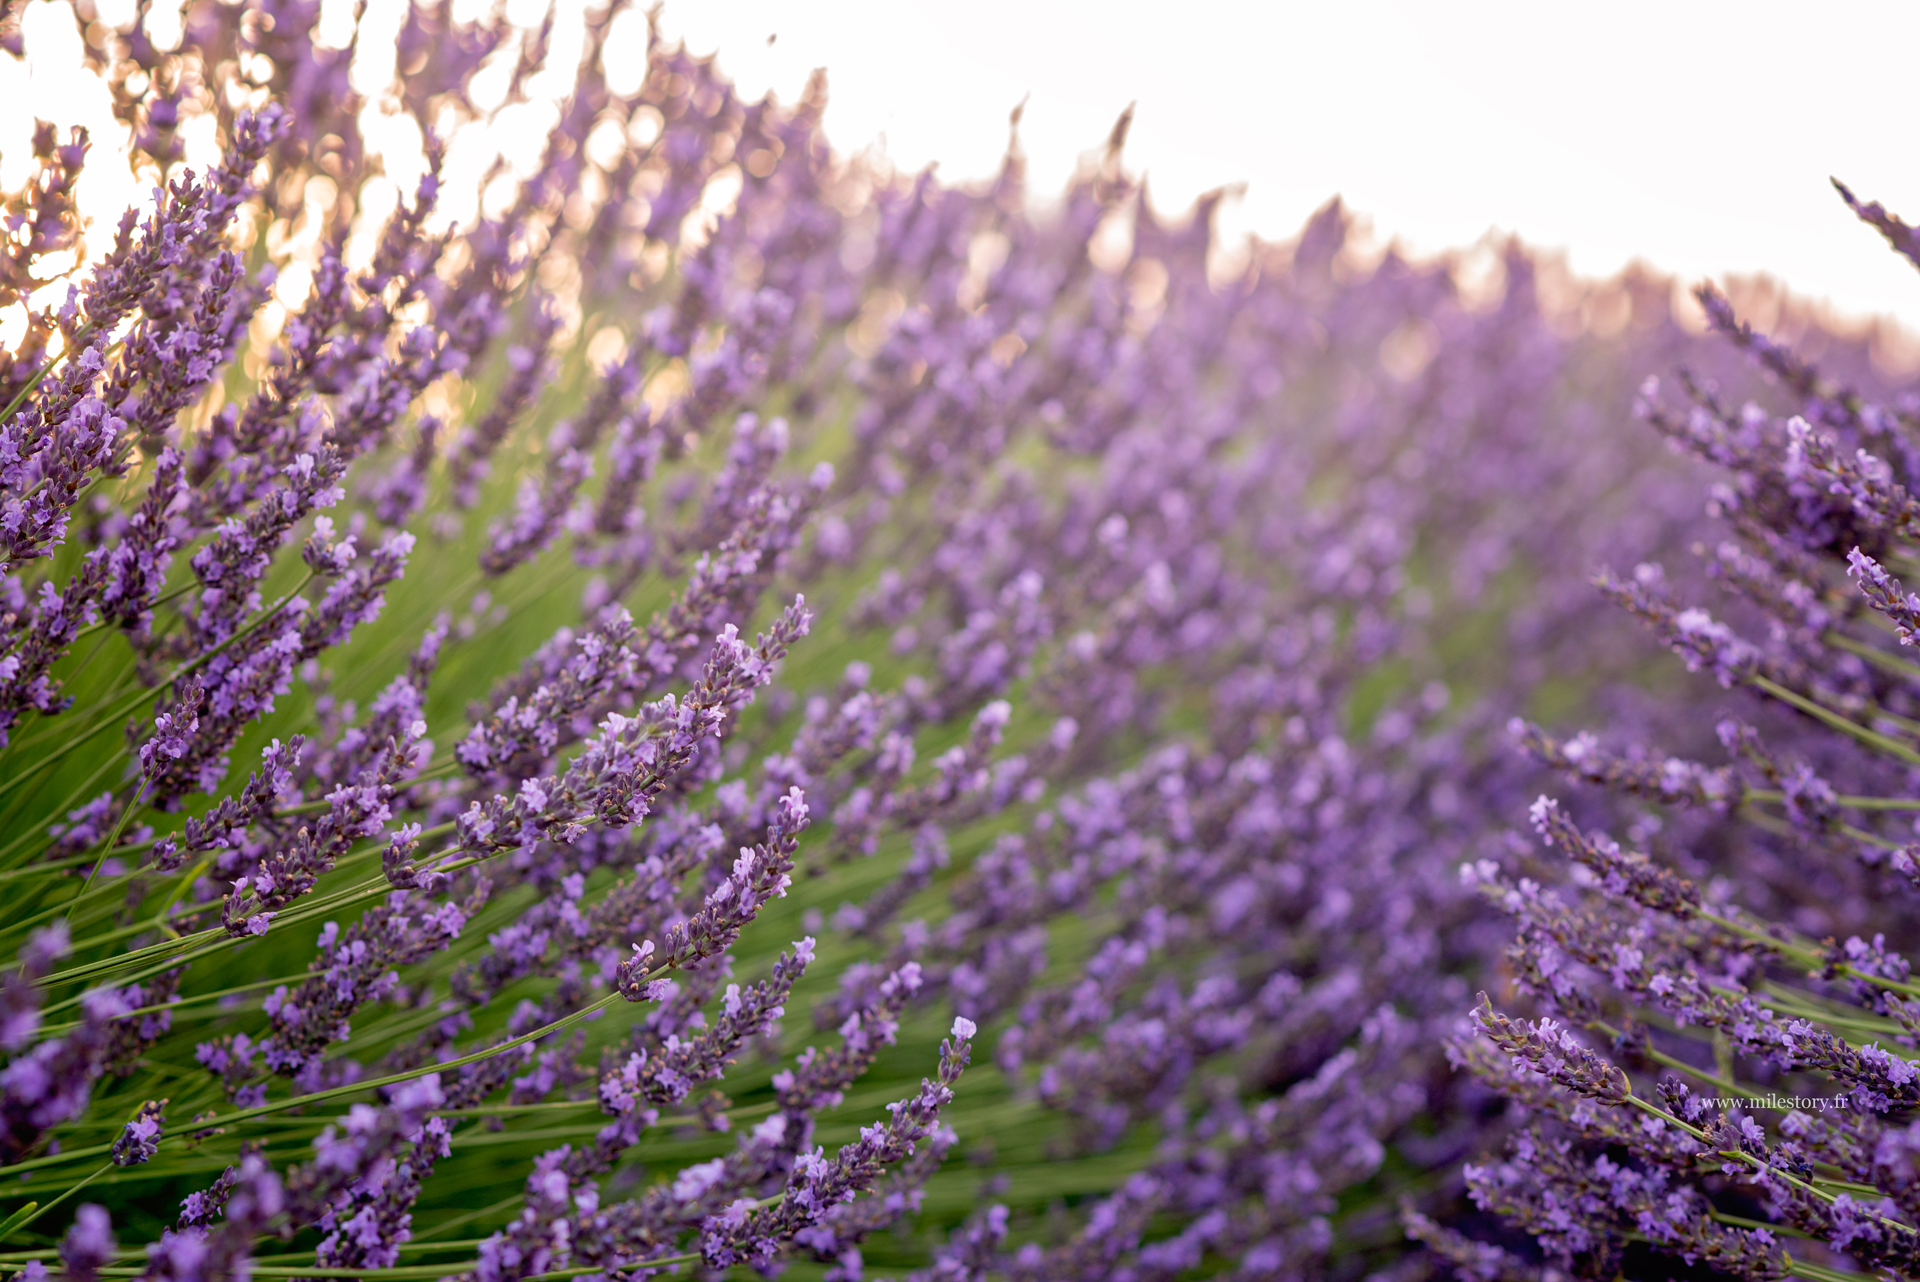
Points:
[(260, 1270), (1879, 658), (1660, 1057), (113, 715), (1848, 802), (1817, 1272), (27, 839), (1748, 1159), (1872, 738), (1741, 1222), (446, 1225), (14, 1221), (169, 595), (215, 939), (1805, 956), (48, 1206), (80, 336), (54, 1159), (355, 1088), (120, 826), (1871, 838), (1810, 1006), (437, 770), (416, 1246), (57, 865), (394, 1079), (181, 887), (198, 999)]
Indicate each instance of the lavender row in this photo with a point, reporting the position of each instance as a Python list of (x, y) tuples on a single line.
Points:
[(1133, 645)]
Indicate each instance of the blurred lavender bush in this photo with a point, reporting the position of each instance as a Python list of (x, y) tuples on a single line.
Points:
[(465, 681)]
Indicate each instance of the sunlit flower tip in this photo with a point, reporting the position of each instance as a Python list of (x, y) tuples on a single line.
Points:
[(964, 1028)]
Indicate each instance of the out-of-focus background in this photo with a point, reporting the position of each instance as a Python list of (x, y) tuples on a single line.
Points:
[(1697, 137)]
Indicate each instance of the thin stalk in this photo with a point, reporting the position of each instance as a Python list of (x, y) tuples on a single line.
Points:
[(1879, 658), (446, 1225), (1741, 1222), (1848, 802), (1817, 1272), (352, 1088), (1748, 1159), (215, 939), (355, 1088), (1660, 1057), (198, 999), (79, 336), (54, 1159), (215, 936), (112, 717), (172, 960), (259, 1270), (181, 887), (119, 827), (412, 1247), (1871, 838), (1805, 956), (48, 1206), (27, 839), (435, 770), (1807, 1005), (1872, 738), (171, 594), (52, 865)]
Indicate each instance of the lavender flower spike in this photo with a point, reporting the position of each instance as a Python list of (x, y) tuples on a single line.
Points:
[(141, 1138), (1885, 594)]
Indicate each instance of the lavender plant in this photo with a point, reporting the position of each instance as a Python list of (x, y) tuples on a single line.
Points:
[(463, 678), (1720, 1073)]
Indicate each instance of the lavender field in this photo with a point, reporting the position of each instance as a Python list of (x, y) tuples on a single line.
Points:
[(689, 705)]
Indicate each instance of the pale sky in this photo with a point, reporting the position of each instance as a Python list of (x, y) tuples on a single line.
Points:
[(1696, 136)]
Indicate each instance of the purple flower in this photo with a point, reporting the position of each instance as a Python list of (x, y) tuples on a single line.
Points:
[(140, 1139), (89, 1244)]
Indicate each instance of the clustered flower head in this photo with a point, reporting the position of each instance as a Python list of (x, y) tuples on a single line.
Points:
[(685, 702), (1723, 1075)]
